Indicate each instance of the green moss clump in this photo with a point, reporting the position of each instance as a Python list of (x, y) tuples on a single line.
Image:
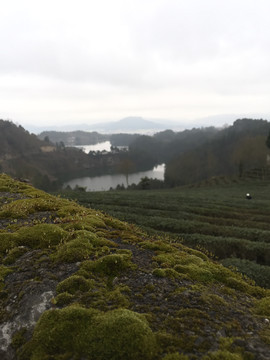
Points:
[(94, 239), (195, 272), (118, 298), (75, 250), (14, 254), (23, 207), (110, 265), (7, 242), (156, 246), (63, 299), (167, 272), (71, 209), (262, 307), (115, 223), (78, 332), (4, 271), (73, 284), (41, 236), (124, 334)]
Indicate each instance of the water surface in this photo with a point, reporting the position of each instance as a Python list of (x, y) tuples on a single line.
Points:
[(105, 182)]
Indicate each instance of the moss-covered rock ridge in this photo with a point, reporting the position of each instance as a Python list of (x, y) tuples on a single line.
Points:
[(76, 283)]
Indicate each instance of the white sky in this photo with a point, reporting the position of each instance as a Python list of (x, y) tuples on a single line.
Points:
[(85, 61)]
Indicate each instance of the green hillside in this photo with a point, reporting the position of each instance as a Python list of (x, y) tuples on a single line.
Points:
[(79, 284)]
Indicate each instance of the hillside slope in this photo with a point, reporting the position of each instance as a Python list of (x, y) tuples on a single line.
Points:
[(44, 164), (79, 284)]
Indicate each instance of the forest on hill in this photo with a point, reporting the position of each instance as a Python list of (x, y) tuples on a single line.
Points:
[(190, 156), (197, 154)]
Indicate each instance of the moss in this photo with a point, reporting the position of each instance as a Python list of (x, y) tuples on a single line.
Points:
[(63, 299), (129, 237), (7, 241), (110, 265), (75, 250), (237, 284), (125, 252), (73, 284), (223, 355), (175, 356), (19, 338), (78, 332), (23, 207), (4, 271), (262, 307), (265, 335), (167, 272), (118, 298), (71, 208), (213, 299), (41, 236), (115, 223), (156, 246), (124, 335), (94, 239), (177, 258), (14, 254), (75, 225), (195, 272)]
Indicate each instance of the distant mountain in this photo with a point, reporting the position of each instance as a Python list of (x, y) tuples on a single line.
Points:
[(130, 125)]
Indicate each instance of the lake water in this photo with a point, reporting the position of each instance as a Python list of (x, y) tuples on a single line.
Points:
[(105, 145), (105, 182)]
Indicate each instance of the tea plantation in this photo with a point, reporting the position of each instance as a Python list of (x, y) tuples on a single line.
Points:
[(215, 217)]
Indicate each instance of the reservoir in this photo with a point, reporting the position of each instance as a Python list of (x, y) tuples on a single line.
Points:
[(105, 145), (105, 182)]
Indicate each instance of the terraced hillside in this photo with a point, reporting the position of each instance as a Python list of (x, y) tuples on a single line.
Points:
[(215, 216), (76, 283)]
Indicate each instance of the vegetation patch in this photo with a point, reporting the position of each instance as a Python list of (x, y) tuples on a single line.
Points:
[(76, 331), (4, 271), (75, 283), (104, 273), (41, 236), (262, 306), (78, 249), (110, 265)]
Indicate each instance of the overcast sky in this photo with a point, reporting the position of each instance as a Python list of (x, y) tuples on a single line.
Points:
[(85, 61)]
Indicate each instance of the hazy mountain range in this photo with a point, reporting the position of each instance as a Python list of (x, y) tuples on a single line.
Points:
[(136, 124), (130, 124)]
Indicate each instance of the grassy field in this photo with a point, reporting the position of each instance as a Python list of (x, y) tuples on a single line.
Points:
[(214, 217)]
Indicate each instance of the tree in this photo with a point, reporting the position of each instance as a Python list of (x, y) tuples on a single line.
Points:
[(126, 166), (268, 140)]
